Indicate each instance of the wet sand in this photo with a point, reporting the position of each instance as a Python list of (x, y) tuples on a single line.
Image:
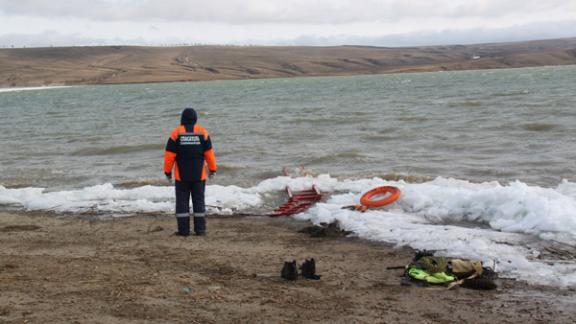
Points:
[(64, 269)]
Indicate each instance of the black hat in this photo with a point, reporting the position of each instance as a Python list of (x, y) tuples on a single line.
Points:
[(189, 117)]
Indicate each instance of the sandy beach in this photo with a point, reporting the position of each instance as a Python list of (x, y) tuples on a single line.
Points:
[(65, 269)]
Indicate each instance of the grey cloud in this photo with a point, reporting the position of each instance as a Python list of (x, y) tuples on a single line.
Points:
[(51, 38), (469, 36), (534, 31), (286, 11), (495, 8)]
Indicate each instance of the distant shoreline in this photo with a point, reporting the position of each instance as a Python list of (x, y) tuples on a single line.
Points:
[(36, 67), (3, 88)]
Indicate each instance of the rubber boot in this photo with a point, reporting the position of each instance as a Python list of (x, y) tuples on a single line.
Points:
[(309, 270), (183, 226), (289, 271), (200, 225)]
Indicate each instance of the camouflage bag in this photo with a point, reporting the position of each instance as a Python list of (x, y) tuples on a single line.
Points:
[(431, 264), (465, 268)]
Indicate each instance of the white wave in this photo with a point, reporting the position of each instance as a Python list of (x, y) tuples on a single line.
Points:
[(32, 88), (504, 223), (107, 199)]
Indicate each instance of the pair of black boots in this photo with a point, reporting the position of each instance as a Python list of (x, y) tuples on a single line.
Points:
[(290, 270), (184, 226)]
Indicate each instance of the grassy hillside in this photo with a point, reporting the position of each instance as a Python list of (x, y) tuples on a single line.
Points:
[(133, 64)]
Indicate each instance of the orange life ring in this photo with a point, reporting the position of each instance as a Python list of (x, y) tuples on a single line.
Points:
[(367, 201)]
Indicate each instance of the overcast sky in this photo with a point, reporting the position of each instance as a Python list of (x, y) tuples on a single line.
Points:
[(281, 22)]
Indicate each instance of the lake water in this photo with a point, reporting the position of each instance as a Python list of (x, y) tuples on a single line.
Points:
[(497, 125)]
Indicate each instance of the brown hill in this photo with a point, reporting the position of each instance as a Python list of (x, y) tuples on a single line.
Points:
[(133, 64)]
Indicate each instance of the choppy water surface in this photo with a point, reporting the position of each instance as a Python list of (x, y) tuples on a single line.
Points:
[(477, 125)]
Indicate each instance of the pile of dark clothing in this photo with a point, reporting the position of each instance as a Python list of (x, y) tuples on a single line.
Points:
[(325, 230)]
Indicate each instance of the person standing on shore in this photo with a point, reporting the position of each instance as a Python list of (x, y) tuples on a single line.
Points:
[(190, 154)]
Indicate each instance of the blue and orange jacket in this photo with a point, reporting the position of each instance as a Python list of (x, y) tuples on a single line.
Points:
[(189, 150)]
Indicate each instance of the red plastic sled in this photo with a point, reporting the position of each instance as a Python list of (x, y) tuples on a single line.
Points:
[(298, 202)]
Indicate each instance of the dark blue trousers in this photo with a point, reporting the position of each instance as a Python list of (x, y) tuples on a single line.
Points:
[(185, 190)]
